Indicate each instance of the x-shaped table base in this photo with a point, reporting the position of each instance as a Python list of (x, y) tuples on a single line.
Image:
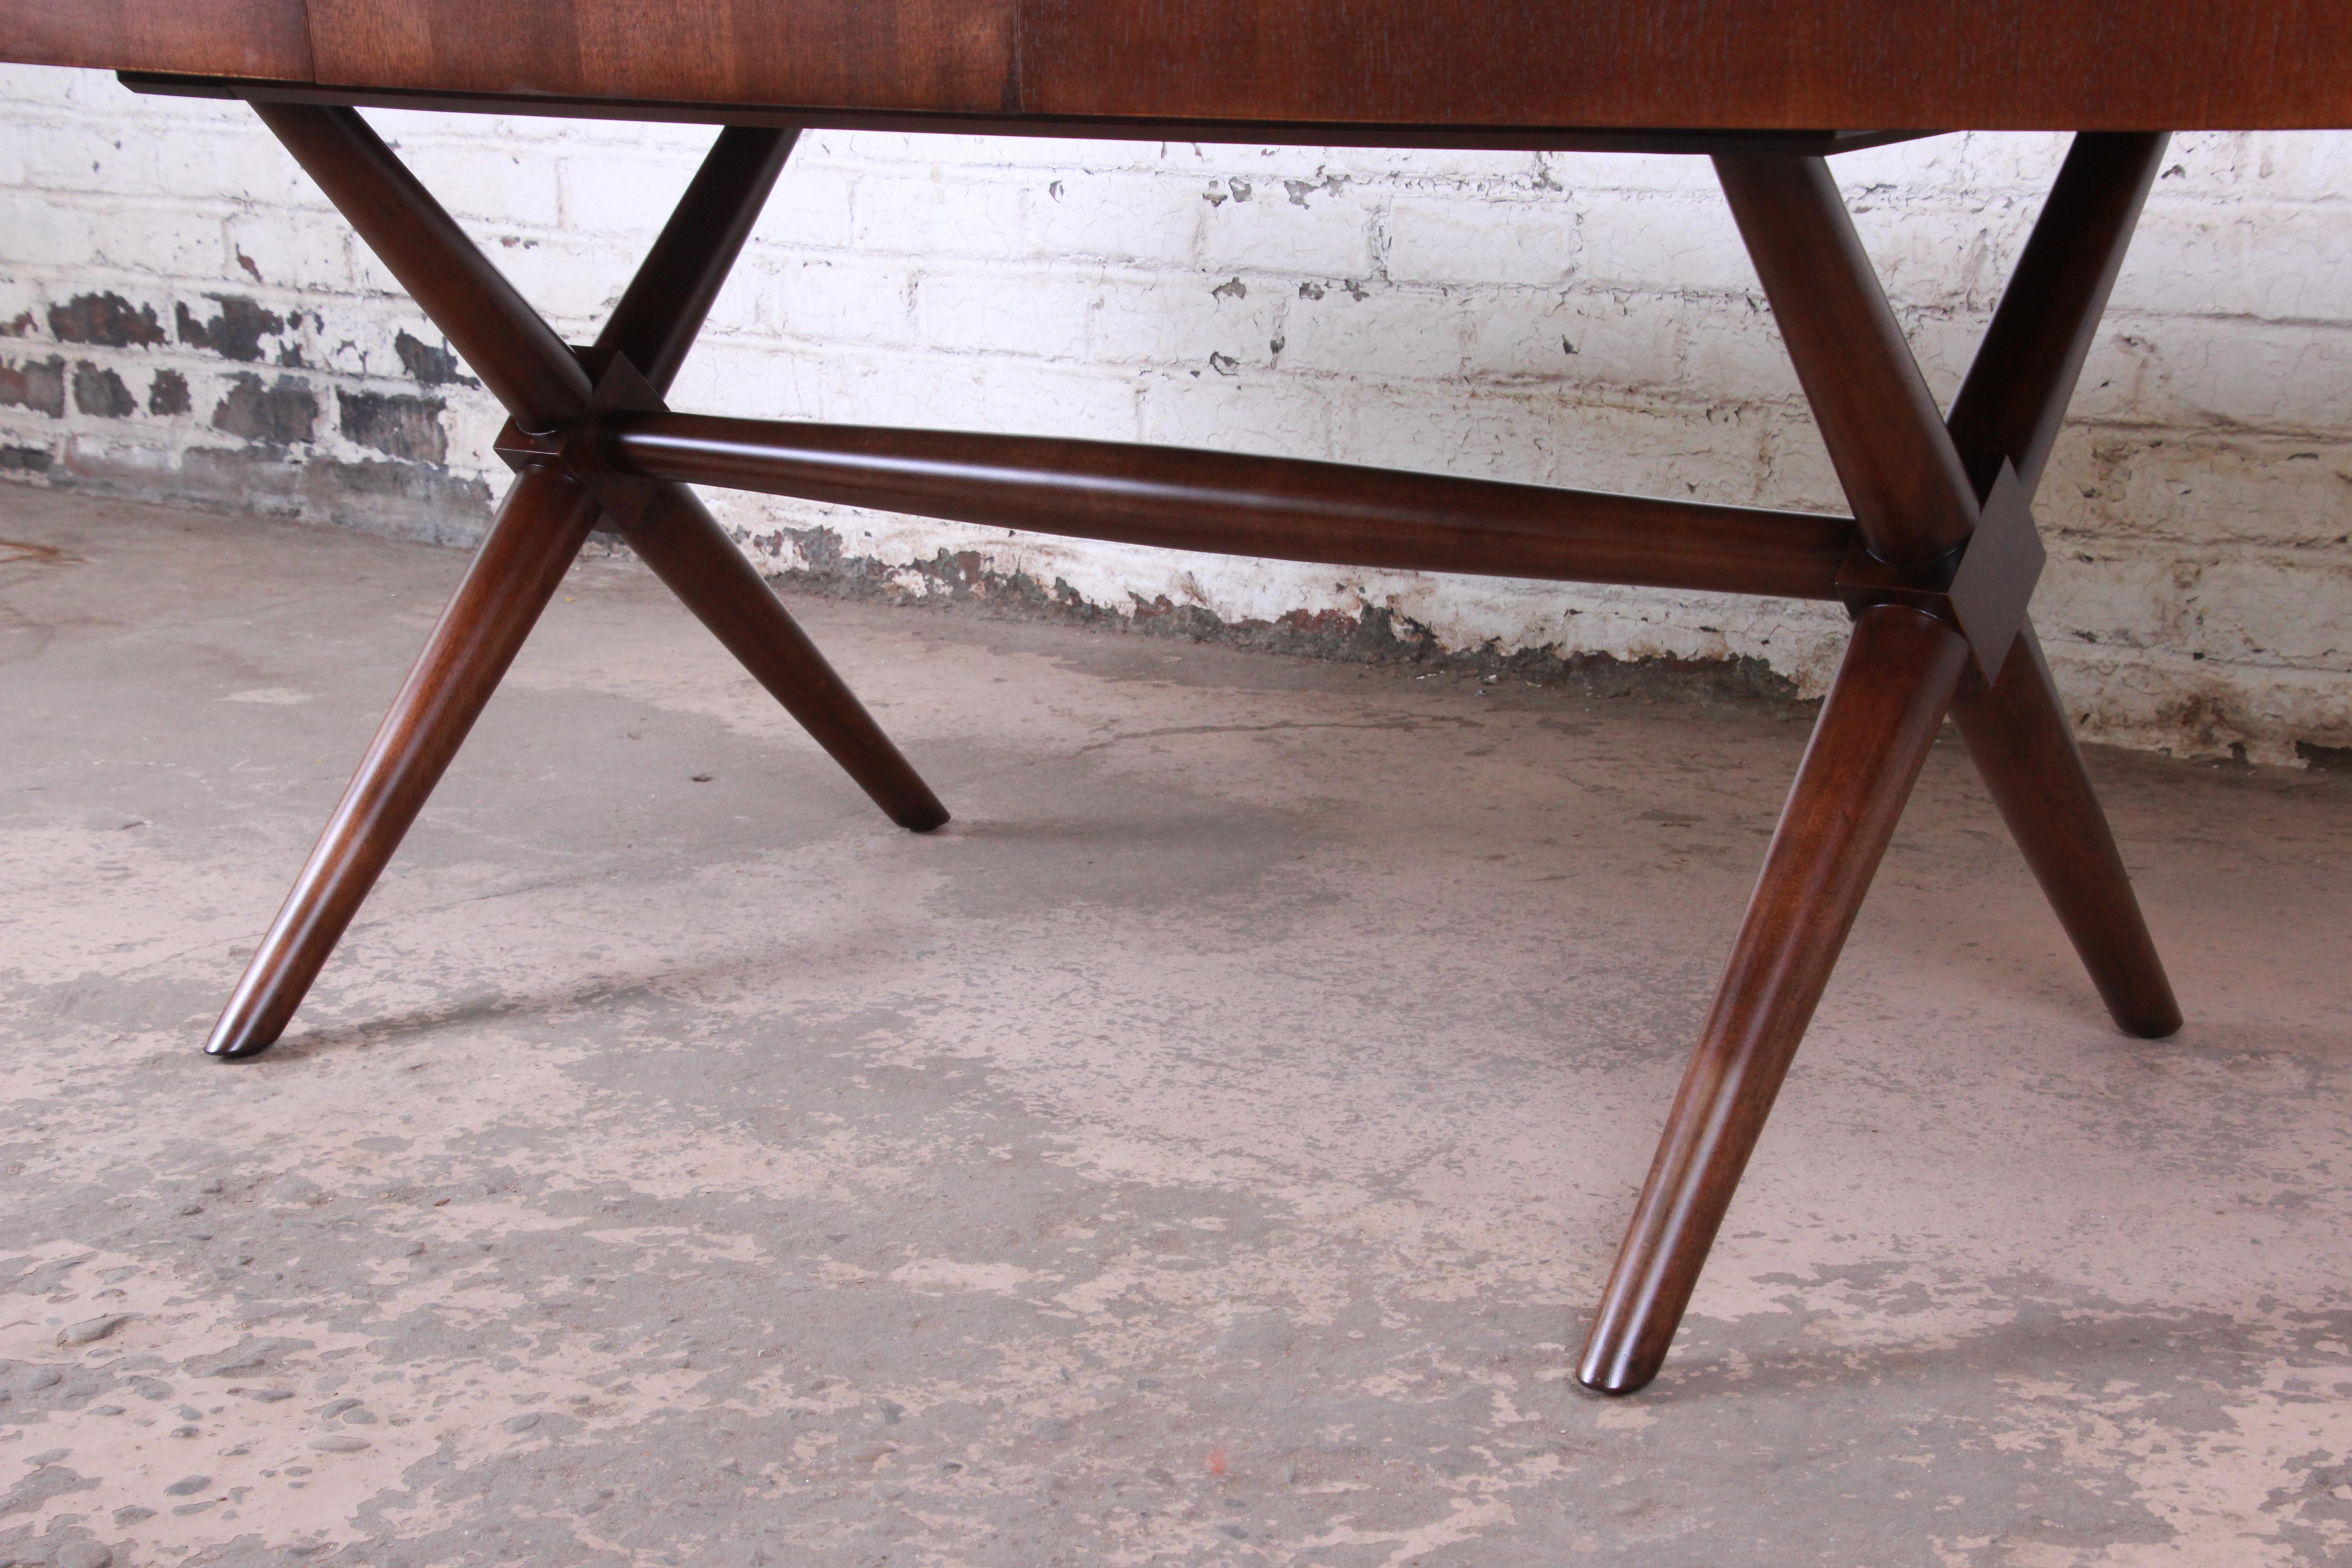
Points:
[(1937, 564)]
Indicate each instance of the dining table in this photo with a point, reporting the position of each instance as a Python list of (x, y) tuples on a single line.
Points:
[(1935, 561)]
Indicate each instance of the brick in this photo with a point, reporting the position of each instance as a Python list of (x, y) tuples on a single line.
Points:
[(1265, 414), (2263, 375), (1329, 237), (67, 157), (98, 391), (1181, 319), (572, 280), (835, 300), (2271, 166), (2113, 487), (1025, 312), (168, 239), (240, 163), (2019, 162), (1128, 290), (1943, 256), (36, 384), (235, 326), (283, 411), (1451, 239), (43, 232), (1662, 244), (1734, 352), (1376, 329), (393, 424), (1619, 341), (2283, 263), (937, 212), (484, 178), (810, 209), (29, 88), (1580, 174), (625, 193), (306, 250), (107, 318), (1118, 216)]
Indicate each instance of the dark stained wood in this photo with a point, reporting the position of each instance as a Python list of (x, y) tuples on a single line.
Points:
[(539, 528), (1911, 496), (2008, 410), (1868, 745), (1736, 64), (262, 38), (663, 309), (518, 357), (1728, 64), (546, 517), (1766, 87), (687, 549), (2018, 386), (878, 54), (1276, 507), (1142, 128), (2018, 735), (1882, 430), (1982, 589)]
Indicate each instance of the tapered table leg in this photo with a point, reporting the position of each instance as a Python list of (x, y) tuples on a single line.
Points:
[(2018, 735), (1867, 747), (538, 532), (690, 552)]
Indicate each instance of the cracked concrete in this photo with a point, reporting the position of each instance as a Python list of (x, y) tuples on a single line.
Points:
[(1204, 1150)]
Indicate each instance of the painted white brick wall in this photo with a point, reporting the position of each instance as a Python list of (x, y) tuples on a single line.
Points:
[(1573, 320)]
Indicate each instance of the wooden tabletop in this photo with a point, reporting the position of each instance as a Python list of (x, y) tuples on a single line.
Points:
[(1739, 65)]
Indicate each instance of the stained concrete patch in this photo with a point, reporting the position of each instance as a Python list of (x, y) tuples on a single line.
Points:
[(1203, 1150)]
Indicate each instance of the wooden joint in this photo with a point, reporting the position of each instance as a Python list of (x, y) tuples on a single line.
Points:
[(1980, 587), (577, 448), (522, 451)]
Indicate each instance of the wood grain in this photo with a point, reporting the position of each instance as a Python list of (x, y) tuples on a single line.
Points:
[(1911, 495), (540, 526), (1752, 64), (1277, 508), (211, 38), (2018, 735), (1868, 746), (883, 54)]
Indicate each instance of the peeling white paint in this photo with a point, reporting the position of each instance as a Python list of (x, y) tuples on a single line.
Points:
[(1576, 320)]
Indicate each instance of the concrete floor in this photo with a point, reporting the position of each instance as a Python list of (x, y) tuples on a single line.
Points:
[(1206, 1151)]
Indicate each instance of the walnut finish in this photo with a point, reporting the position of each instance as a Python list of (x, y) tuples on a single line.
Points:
[(543, 521), (269, 39), (2024, 749), (1916, 509), (1741, 65), (1738, 64), (1910, 494), (1867, 747), (540, 526), (1280, 508), (1938, 562), (935, 55)]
